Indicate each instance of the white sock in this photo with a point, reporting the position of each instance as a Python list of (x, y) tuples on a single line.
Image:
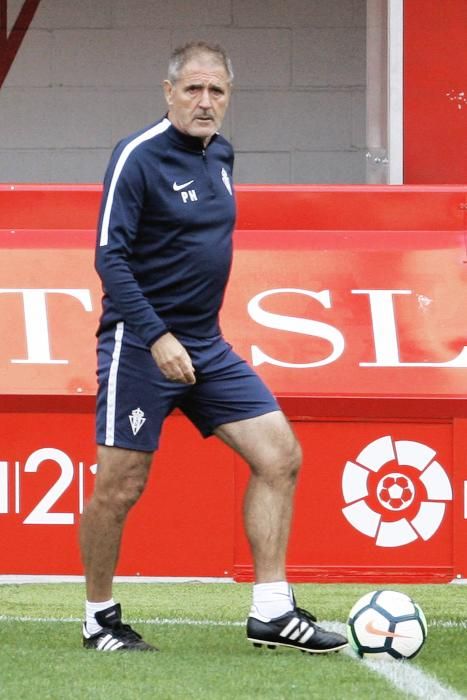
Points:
[(91, 608), (272, 599)]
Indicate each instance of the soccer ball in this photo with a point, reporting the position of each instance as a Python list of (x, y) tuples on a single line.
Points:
[(386, 625)]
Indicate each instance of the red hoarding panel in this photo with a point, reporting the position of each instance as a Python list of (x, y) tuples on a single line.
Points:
[(328, 315), (182, 525), (362, 327), (374, 503), (350, 208), (460, 498), (321, 312), (74, 208), (435, 91)]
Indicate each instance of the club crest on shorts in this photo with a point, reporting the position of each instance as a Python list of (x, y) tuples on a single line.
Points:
[(137, 420)]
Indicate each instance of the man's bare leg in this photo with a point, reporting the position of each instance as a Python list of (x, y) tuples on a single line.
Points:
[(120, 480), (269, 446)]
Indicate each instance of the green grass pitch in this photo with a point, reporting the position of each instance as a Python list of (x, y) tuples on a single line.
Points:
[(204, 653)]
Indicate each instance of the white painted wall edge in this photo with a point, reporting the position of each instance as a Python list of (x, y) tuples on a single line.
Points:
[(396, 91)]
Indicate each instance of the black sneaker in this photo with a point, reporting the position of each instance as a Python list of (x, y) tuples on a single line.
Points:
[(295, 629), (114, 636)]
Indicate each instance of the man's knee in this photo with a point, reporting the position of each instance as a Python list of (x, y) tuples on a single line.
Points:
[(281, 461), (128, 491), (121, 479), (291, 457), (296, 457)]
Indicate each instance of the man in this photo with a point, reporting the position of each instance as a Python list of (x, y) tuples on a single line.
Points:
[(163, 253)]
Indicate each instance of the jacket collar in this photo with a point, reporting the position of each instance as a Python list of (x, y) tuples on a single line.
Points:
[(189, 143)]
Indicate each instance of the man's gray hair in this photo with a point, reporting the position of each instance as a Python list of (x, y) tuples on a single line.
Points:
[(183, 54)]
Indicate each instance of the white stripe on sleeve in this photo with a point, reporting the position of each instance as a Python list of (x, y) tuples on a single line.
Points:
[(129, 148)]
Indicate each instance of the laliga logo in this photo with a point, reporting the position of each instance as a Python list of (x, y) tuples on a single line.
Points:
[(395, 491)]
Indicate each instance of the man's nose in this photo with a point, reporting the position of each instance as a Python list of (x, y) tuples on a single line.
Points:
[(205, 101)]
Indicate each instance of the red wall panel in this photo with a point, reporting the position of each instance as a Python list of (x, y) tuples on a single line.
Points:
[(180, 526), (435, 91), (399, 543)]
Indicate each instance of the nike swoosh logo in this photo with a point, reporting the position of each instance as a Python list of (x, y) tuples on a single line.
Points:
[(177, 188), (371, 629)]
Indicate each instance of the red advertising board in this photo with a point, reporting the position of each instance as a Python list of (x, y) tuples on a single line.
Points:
[(374, 502), (349, 301)]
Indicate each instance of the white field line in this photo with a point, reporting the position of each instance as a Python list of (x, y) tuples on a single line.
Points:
[(411, 681), (135, 621), (435, 624), (406, 677)]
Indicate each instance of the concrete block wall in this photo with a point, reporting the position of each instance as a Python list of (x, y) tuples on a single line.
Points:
[(89, 73)]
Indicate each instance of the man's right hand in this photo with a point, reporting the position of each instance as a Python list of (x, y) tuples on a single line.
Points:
[(173, 360)]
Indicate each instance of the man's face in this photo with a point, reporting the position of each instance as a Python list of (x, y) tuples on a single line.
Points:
[(199, 98)]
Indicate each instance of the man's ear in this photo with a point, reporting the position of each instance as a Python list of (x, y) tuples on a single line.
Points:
[(168, 88)]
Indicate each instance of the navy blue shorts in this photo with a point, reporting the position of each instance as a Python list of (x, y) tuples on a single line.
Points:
[(134, 398)]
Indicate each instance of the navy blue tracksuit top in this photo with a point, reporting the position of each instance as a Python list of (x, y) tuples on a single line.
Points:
[(164, 244)]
